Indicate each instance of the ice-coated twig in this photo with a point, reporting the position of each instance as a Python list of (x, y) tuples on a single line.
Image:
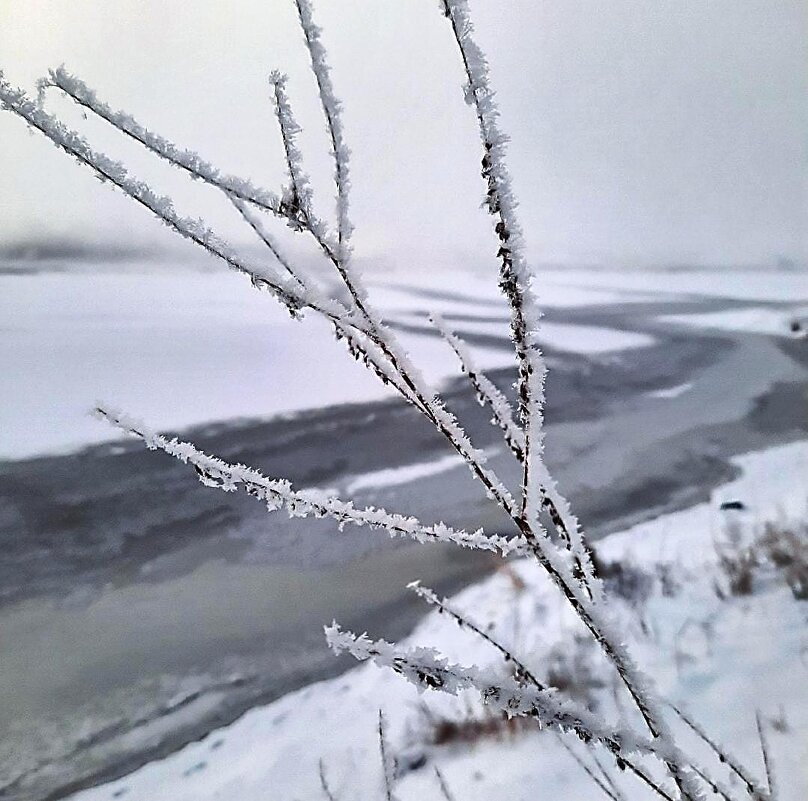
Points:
[(266, 238), (515, 275), (360, 346), (239, 191), (278, 493), (234, 190), (187, 160), (523, 674), (364, 349), (297, 200), (191, 162), (294, 294), (752, 784), (443, 606), (649, 781), (556, 505), (366, 331), (388, 764), (397, 366), (326, 787), (399, 361), (718, 787), (428, 669), (287, 291), (332, 111), (515, 281), (487, 392), (601, 625)]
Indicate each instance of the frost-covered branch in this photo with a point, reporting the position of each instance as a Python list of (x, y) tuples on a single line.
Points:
[(752, 785), (279, 493), (515, 275), (238, 192), (524, 674), (332, 111), (557, 507), (515, 281), (183, 158), (607, 776), (487, 392), (444, 607), (287, 291), (428, 669), (386, 341), (296, 202), (257, 226), (443, 785), (396, 365), (538, 489), (364, 349), (369, 340)]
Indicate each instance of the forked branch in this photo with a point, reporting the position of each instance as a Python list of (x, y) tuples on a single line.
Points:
[(278, 493)]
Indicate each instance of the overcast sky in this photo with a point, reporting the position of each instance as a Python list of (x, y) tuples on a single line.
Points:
[(643, 130)]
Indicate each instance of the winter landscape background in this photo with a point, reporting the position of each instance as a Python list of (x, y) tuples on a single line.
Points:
[(160, 640)]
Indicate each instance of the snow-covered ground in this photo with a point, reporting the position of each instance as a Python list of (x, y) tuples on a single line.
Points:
[(720, 659), (737, 284), (181, 347), (761, 320), (184, 347), (567, 286)]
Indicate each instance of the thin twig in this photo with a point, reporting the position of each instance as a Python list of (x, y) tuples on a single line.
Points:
[(752, 785), (332, 112), (264, 236), (586, 769), (187, 160), (298, 204), (387, 767), (444, 787), (443, 606), (606, 775), (767, 760), (557, 507), (277, 493), (324, 782)]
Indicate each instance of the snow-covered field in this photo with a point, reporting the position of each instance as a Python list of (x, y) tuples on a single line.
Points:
[(789, 286), (183, 347), (762, 320), (720, 659)]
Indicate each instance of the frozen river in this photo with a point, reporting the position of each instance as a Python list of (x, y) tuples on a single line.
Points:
[(138, 609)]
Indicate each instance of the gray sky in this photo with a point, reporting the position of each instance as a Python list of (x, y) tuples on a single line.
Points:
[(654, 131)]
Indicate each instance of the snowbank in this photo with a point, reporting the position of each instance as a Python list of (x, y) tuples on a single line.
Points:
[(759, 320), (181, 348), (722, 660)]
